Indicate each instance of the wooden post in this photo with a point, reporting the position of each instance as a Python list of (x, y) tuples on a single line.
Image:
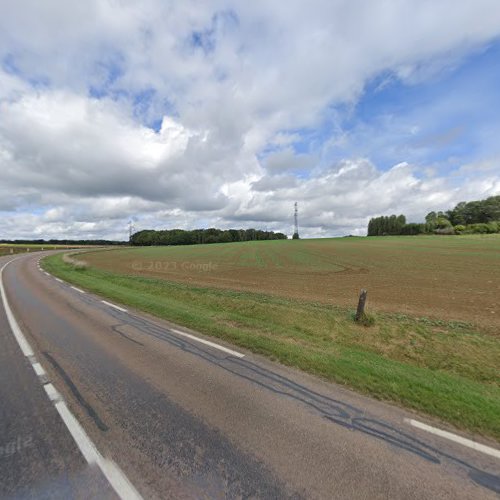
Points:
[(361, 305)]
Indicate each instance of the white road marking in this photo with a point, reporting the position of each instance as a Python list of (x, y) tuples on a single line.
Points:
[(114, 306), (113, 473), (60, 281), (116, 478), (178, 332), (454, 437), (52, 392), (76, 430), (206, 342), (38, 369), (21, 340)]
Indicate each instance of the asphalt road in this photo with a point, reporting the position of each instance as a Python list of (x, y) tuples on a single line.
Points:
[(184, 419)]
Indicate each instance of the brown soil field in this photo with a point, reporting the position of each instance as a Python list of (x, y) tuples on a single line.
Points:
[(442, 277)]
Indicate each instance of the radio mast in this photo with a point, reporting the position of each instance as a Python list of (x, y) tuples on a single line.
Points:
[(296, 218)]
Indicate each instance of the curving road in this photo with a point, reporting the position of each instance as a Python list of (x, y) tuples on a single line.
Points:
[(104, 402)]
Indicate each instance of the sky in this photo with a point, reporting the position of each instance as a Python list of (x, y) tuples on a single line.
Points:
[(215, 113)]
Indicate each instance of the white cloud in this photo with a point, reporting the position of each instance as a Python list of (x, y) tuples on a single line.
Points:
[(287, 159), (63, 143), (229, 82), (341, 199)]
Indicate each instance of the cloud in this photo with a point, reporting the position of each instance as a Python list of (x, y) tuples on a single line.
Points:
[(223, 113), (62, 143), (342, 198), (287, 159)]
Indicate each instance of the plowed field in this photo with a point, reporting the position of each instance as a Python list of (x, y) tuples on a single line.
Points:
[(451, 278)]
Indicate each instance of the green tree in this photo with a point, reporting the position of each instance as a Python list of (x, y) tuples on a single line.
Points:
[(431, 217)]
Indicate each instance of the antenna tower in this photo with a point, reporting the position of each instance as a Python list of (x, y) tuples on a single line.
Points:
[(296, 218)]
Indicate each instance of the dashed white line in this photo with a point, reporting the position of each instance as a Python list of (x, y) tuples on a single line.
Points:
[(60, 281), (38, 369), (488, 450), (178, 332), (116, 478), (114, 306), (207, 342), (52, 392)]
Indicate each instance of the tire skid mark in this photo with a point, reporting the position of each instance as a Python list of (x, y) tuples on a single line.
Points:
[(338, 412), (76, 393)]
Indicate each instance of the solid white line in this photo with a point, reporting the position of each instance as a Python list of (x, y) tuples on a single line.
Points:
[(113, 474), (111, 471), (123, 487), (79, 435), (21, 340), (38, 369), (454, 437), (114, 306), (206, 342), (60, 281), (77, 289)]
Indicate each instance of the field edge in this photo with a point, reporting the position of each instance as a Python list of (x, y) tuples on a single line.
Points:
[(461, 402)]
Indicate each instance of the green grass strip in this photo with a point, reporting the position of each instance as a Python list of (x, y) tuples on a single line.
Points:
[(324, 341)]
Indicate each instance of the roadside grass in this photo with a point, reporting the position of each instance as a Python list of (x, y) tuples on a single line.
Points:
[(446, 369)]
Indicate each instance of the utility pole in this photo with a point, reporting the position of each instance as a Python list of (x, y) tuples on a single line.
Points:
[(296, 219)]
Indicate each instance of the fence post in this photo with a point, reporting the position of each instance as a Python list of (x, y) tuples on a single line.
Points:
[(361, 305)]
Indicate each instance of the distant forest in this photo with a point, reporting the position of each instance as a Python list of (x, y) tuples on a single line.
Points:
[(150, 237), (473, 217)]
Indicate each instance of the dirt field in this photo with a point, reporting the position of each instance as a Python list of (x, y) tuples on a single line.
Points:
[(451, 278)]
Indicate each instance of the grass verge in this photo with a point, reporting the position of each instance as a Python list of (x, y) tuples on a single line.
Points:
[(445, 369)]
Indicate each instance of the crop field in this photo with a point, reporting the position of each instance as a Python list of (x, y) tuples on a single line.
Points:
[(8, 248), (433, 345), (452, 278)]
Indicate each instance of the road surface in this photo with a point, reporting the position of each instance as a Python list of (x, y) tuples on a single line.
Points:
[(114, 403)]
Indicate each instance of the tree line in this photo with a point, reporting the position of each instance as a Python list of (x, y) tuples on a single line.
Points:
[(482, 216), (386, 225), (150, 237)]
